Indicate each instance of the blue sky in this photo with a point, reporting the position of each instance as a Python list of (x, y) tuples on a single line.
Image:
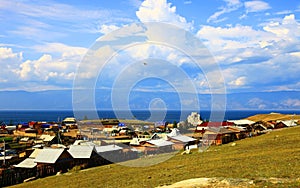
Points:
[(255, 43)]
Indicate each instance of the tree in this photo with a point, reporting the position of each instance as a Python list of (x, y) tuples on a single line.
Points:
[(174, 124)]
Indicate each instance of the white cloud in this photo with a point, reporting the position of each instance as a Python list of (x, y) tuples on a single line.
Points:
[(256, 6), (161, 11), (291, 103), (7, 53), (252, 56), (105, 29), (62, 50), (240, 81), (231, 5), (187, 2), (48, 71)]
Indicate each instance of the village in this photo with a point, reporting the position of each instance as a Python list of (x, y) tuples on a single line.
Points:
[(34, 150)]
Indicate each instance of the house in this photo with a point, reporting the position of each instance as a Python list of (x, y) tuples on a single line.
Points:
[(110, 153), (218, 136), (240, 132), (156, 146), (50, 161), (285, 123), (201, 128), (260, 127), (28, 167), (179, 140), (47, 139), (84, 155), (241, 122)]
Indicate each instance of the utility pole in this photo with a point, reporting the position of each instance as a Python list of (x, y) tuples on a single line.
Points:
[(4, 153)]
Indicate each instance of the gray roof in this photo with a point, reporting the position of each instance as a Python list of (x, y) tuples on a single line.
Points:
[(183, 138), (35, 153), (242, 122), (47, 138), (112, 147), (49, 155), (27, 163), (83, 142), (160, 142), (175, 134), (81, 151)]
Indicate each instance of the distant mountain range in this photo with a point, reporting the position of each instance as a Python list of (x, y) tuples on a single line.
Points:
[(62, 99)]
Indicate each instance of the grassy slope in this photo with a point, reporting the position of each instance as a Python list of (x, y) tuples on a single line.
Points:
[(276, 154), (273, 116)]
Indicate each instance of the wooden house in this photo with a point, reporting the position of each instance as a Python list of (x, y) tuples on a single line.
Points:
[(50, 161), (284, 124), (110, 153), (218, 136), (179, 140), (84, 155)]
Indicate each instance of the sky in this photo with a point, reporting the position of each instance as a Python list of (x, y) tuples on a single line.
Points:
[(255, 44)]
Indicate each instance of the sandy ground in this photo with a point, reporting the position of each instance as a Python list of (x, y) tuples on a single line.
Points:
[(212, 182)]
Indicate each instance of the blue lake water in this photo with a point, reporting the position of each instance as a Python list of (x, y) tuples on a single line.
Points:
[(10, 116)]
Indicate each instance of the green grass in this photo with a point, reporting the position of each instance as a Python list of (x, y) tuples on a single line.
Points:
[(274, 155)]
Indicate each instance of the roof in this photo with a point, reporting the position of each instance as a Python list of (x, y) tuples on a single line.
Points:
[(216, 124), (242, 122), (217, 130), (47, 138), (175, 134), (107, 148), (49, 155), (70, 119), (135, 141), (289, 123), (27, 163), (83, 142), (35, 153), (160, 142), (81, 151), (183, 138)]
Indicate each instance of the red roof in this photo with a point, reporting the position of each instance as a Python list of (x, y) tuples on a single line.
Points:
[(215, 124)]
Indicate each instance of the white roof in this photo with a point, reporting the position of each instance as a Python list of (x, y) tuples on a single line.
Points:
[(81, 151), (35, 153), (49, 155), (47, 138), (289, 123), (25, 139), (70, 119), (175, 134), (112, 147), (183, 138), (160, 142), (27, 163), (83, 142), (242, 122), (135, 141)]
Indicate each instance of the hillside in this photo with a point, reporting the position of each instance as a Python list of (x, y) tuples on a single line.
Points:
[(268, 160), (273, 117)]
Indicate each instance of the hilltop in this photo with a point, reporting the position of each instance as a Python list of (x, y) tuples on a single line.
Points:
[(272, 160), (273, 117)]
